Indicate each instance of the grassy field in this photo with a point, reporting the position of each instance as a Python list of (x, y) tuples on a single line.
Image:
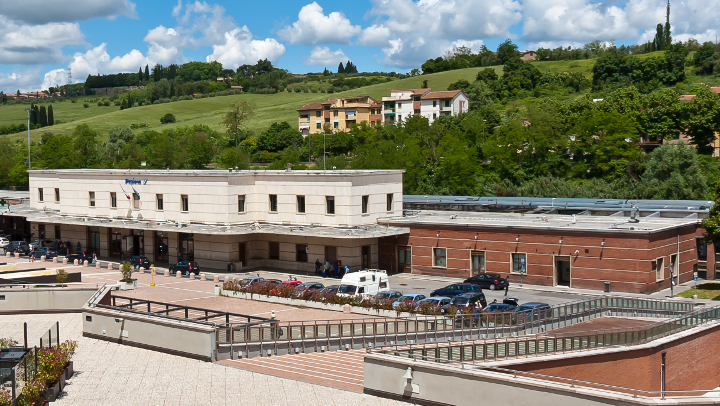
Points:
[(209, 111), (709, 291)]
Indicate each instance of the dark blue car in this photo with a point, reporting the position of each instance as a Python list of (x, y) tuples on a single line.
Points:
[(455, 289)]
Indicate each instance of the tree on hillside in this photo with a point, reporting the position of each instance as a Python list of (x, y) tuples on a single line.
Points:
[(42, 116), (507, 51), (705, 59), (711, 223), (235, 119), (326, 72), (674, 173), (341, 68), (33, 114), (50, 116), (147, 73), (278, 137)]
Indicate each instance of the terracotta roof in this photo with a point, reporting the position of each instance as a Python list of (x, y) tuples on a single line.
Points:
[(311, 106), (420, 92), (445, 94), (715, 89), (687, 97)]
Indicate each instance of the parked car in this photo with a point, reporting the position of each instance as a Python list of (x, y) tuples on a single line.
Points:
[(535, 310), (455, 289), (4, 242), (272, 282), (80, 256), (490, 281), (309, 286), (469, 299), (47, 252), (507, 305), (389, 294), (138, 261), (251, 280), (330, 288), (35, 244), (294, 283), (18, 246), (408, 297), (182, 266), (440, 301)]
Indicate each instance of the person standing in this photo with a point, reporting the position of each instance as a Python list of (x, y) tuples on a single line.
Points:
[(326, 273), (507, 285), (318, 265), (336, 269)]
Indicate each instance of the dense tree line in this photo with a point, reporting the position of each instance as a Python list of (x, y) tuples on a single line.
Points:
[(348, 68)]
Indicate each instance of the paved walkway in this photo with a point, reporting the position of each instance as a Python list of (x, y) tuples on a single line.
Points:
[(113, 374)]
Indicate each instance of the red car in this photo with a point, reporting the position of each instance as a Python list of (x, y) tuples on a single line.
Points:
[(294, 283)]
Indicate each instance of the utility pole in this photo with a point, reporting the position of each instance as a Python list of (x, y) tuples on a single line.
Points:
[(28, 113)]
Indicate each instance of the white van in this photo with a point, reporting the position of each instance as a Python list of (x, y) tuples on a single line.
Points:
[(367, 283)]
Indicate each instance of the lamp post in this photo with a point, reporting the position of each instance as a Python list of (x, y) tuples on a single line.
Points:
[(324, 156), (28, 112)]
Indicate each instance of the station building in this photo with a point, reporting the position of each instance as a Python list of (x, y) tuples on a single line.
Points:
[(220, 219)]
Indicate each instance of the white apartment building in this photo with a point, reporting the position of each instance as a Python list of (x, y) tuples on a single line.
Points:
[(423, 102), (275, 219)]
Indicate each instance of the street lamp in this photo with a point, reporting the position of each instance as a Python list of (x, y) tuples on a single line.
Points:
[(235, 133), (28, 111)]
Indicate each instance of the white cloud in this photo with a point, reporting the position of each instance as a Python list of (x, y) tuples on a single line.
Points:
[(375, 35), (47, 11), (474, 45), (28, 44), (323, 56), (239, 48), (167, 37), (56, 77), (314, 27), (23, 80)]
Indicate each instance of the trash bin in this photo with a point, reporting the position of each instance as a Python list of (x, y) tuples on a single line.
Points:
[(607, 287), (231, 267)]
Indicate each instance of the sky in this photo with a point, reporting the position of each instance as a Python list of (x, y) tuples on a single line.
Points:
[(42, 39)]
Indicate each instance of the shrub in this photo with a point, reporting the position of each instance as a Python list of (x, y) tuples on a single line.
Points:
[(126, 269), (61, 276), (5, 398), (106, 103), (7, 342), (174, 98), (167, 118), (86, 105), (135, 126), (72, 101), (99, 104)]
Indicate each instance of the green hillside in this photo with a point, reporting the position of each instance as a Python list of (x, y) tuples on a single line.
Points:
[(270, 108)]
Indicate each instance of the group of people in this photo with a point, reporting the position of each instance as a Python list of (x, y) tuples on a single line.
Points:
[(335, 270)]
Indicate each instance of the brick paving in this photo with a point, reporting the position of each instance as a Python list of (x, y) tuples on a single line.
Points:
[(605, 323), (336, 369), (112, 374)]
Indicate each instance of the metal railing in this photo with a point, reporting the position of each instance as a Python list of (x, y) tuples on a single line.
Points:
[(545, 344), (317, 335), (26, 369)]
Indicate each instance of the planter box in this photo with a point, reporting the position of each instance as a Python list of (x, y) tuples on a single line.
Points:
[(69, 371), (51, 394), (314, 305), (128, 285)]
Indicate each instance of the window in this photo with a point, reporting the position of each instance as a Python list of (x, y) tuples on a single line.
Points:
[(136, 201), (434, 103), (113, 200), (241, 204), (417, 111), (301, 254), (399, 105), (187, 246), (434, 116), (318, 113), (659, 269), (159, 202), (318, 125), (274, 250), (184, 203), (440, 257), (273, 203), (389, 202), (365, 203), (335, 113), (57, 195), (301, 204), (477, 262), (519, 265), (399, 117), (92, 199), (365, 257), (115, 237), (40, 194), (447, 103), (335, 124), (57, 233), (329, 204)]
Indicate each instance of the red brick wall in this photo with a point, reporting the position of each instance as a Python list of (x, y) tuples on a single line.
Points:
[(626, 260), (687, 365)]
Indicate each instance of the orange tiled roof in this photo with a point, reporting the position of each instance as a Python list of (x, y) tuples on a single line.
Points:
[(445, 94), (687, 97), (420, 92), (311, 106)]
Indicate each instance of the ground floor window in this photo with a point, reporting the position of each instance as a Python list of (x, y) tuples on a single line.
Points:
[(161, 246), (440, 257), (519, 263), (301, 254), (41, 231), (660, 269), (115, 238), (477, 262), (187, 247), (404, 258), (93, 245), (58, 235), (274, 250), (241, 254), (365, 257)]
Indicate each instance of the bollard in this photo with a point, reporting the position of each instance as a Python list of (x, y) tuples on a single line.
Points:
[(203, 277), (85, 263), (65, 261), (192, 275), (167, 272), (227, 278), (17, 255), (346, 309), (110, 266), (55, 260), (97, 264), (76, 263), (216, 278), (141, 270), (7, 255), (178, 274), (42, 258)]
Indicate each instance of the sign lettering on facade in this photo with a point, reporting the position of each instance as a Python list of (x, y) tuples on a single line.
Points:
[(136, 181)]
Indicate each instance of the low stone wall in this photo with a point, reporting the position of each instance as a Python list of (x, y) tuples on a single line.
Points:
[(18, 300), (314, 305)]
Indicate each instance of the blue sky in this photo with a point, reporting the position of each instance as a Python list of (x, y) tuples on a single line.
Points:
[(43, 38)]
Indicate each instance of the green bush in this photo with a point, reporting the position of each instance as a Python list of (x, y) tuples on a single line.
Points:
[(86, 105), (106, 103), (167, 118), (99, 104)]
